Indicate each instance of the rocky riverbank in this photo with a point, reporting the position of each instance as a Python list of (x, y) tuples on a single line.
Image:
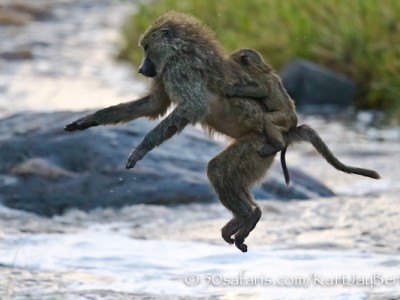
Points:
[(48, 171)]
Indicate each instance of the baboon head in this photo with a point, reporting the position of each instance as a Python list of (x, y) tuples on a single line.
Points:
[(250, 58), (175, 37)]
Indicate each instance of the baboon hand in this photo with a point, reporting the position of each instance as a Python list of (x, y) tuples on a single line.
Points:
[(135, 156), (267, 150), (232, 91), (80, 124)]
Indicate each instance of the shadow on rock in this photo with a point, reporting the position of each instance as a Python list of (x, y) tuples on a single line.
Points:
[(46, 170)]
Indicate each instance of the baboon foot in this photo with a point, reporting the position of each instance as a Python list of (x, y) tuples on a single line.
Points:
[(267, 150), (80, 124), (230, 229), (247, 227), (228, 238), (240, 245)]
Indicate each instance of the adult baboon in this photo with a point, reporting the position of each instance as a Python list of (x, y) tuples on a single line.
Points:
[(191, 70), (188, 63)]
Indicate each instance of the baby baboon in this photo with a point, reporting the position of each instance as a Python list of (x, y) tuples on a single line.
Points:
[(280, 119), (191, 70), (279, 107)]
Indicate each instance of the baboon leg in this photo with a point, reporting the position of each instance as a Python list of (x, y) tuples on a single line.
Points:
[(247, 227), (232, 173), (274, 138), (230, 229), (148, 106)]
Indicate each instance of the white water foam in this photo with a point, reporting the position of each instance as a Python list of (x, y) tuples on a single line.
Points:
[(119, 263)]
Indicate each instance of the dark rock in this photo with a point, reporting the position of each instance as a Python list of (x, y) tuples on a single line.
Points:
[(45, 170), (11, 18), (317, 88), (37, 12), (16, 55)]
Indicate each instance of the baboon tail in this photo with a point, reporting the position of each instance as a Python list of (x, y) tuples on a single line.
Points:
[(284, 166), (305, 133)]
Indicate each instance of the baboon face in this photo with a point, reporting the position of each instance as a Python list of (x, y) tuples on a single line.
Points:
[(172, 38), (156, 46), (161, 42)]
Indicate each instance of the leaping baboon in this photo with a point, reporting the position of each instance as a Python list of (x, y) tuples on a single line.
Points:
[(189, 65), (191, 70)]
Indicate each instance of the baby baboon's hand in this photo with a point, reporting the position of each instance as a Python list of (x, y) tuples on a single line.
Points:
[(232, 91), (80, 124), (268, 150)]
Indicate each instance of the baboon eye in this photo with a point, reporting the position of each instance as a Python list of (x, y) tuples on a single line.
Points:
[(146, 47), (167, 32)]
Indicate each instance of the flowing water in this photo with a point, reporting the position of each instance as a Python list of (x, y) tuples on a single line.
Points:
[(345, 247)]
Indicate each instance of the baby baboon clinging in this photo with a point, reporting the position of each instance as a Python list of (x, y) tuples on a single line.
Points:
[(280, 109), (191, 70), (280, 119)]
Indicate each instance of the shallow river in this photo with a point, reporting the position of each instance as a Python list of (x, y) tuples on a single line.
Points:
[(345, 247)]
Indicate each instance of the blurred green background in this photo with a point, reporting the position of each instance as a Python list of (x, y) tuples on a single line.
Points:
[(360, 38)]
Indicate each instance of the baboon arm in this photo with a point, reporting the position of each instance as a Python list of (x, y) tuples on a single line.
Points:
[(174, 123), (193, 104), (147, 106), (251, 90)]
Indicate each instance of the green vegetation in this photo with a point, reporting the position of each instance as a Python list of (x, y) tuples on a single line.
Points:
[(360, 38)]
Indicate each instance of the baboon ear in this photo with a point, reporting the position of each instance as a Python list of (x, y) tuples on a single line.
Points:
[(168, 33)]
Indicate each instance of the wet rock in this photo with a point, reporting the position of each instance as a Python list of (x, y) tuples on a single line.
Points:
[(45, 170), (317, 88), (11, 18), (40, 167), (16, 55), (37, 12)]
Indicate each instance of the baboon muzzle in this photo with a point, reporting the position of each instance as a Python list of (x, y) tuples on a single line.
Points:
[(147, 68)]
